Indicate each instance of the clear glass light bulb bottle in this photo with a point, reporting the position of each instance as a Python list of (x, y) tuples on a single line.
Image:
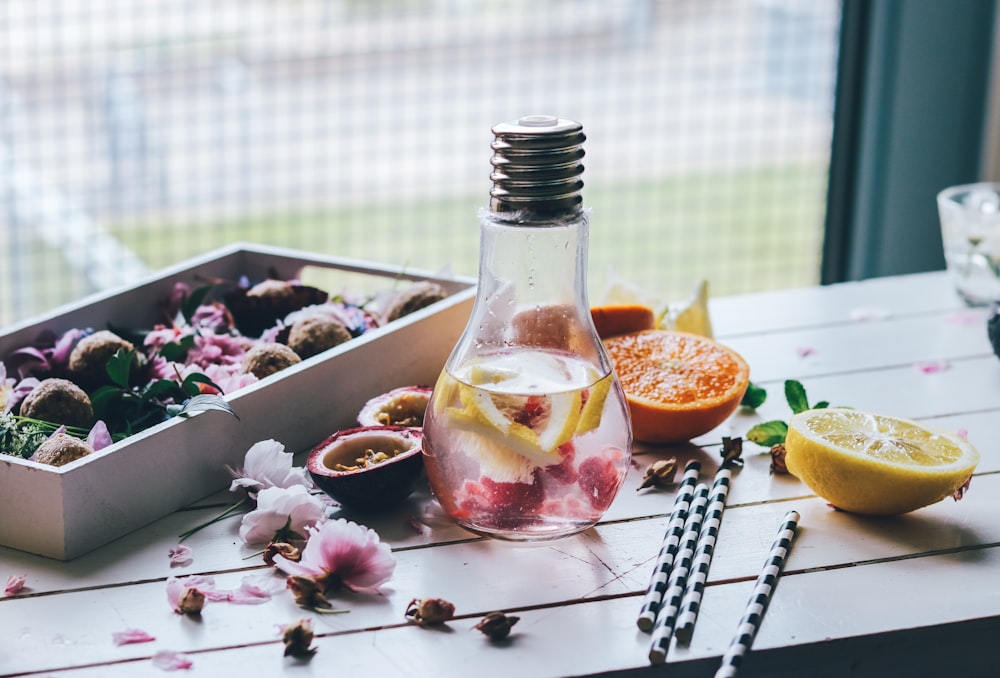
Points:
[(527, 434)]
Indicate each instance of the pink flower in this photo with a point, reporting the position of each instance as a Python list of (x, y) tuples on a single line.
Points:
[(168, 660), (217, 349), (340, 552), (187, 595), (282, 513), (805, 351), (15, 584), (180, 556), (130, 636), (268, 465), (229, 378)]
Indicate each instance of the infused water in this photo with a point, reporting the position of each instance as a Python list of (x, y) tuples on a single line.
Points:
[(526, 443)]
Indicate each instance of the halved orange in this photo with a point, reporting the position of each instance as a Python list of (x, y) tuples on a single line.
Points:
[(615, 319), (678, 385)]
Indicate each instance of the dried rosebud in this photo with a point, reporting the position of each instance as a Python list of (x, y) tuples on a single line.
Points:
[(191, 602), (778, 459), (496, 625), (282, 548), (732, 451), (307, 592), (430, 611), (660, 473), (960, 492), (298, 638)]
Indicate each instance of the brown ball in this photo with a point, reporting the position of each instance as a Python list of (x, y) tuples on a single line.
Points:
[(265, 359), (61, 449), (58, 401), (89, 359), (413, 298), (314, 334)]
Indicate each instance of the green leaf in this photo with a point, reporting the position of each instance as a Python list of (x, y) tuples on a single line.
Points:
[(795, 394), (202, 403), (120, 366), (177, 351), (821, 405), (769, 433), (104, 400), (191, 382), (754, 397), (161, 389)]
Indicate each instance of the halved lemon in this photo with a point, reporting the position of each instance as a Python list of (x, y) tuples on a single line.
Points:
[(874, 464)]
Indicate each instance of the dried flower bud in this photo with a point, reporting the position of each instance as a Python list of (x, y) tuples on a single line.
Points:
[(298, 638), (307, 592), (960, 492), (778, 459), (191, 602), (660, 473), (430, 611), (732, 451), (496, 625), (281, 548)]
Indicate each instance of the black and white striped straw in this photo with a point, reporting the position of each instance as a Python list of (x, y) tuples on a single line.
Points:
[(691, 602), (668, 549), (667, 616), (753, 615)]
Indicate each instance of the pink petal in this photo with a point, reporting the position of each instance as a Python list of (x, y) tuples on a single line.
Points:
[(962, 433), (168, 660), (255, 590), (865, 313), (15, 584), (933, 366), (805, 351), (964, 318), (180, 556), (129, 636)]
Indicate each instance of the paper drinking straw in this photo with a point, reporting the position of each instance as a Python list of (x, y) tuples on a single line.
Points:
[(668, 549), (698, 575), (753, 615), (667, 616)]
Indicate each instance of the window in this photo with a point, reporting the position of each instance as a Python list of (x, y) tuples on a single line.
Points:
[(136, 134)]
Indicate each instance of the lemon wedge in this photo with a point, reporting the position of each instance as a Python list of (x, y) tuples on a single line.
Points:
[(492, 415), (690, 316), (874, 464)]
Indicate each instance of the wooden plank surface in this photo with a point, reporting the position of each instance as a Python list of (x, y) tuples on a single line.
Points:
[(860, 595)]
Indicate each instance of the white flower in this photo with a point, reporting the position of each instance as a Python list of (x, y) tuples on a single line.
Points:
[(281, 510), (268, 465)]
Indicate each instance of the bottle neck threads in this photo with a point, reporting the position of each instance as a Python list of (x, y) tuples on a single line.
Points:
[(537, 169)]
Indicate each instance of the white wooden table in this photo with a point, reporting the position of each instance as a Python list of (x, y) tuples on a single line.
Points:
[(912, 595)]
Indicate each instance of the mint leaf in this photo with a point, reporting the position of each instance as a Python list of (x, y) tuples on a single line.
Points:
[(754, 397), (795, 394), (821, 405), (769, 433)]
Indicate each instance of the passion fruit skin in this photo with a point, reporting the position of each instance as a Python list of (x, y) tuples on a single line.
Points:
[(378, 487), (403, 406)]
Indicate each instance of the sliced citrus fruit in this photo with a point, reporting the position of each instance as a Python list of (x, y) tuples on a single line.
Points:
[(678, 385), (870, 463), (622, 318), (593, 407), (692, 315)]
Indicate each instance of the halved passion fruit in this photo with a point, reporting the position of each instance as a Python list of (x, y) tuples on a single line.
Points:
[(369, 467), (402, 406)]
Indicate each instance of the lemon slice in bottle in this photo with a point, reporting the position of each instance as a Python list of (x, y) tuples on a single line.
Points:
[(874, 464)]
